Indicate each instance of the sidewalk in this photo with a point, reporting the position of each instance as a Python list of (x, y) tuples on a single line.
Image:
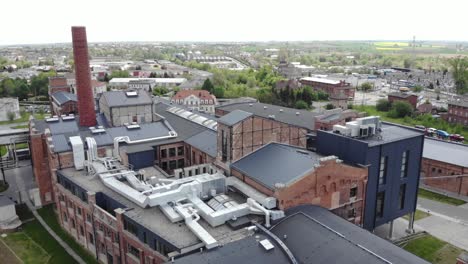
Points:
[(443, 192)]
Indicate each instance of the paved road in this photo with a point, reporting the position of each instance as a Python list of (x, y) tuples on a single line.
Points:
[(448, 222)]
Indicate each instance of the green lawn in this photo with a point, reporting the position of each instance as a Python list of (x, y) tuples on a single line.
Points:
[(439, 197), (24, 118), (418, 216), (19, 127), (50, 217), (26, 248), (3, 151), (433, 250)]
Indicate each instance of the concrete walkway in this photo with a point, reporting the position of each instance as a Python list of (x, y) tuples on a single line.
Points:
[(447, 222)]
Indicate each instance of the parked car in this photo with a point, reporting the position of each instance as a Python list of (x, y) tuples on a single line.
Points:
[(430, 131), (442, 134), (457, 138)]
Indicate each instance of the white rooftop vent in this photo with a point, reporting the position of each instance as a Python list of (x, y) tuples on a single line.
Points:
[(70, 117), (297, 113), (267, 245), (271, 116), (281, 110), (52, 119), (250, 104), (131, 94), (97, 130), (133, 126), (265, 107)]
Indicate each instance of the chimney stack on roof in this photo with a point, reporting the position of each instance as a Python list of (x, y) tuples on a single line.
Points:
[(83, 77)]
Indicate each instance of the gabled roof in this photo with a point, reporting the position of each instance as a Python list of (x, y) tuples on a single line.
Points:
[(277, 163), (205, 141), (62, 97), (120, 98), (202, 94), (295, 117), (234, 117), (401, 95)]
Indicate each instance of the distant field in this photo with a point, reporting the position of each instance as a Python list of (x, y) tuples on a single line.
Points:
[(391, 44), (381, 48)]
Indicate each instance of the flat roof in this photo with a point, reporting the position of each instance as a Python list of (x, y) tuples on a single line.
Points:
[(448, 152), (299, 118), (320, 80), (277, 163), (178, 234), (462, 103), (120, 98), (4, 201)]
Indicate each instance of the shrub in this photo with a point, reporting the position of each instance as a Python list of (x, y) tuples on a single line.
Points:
[(329, 106), (383, 105), (11, 116), (400, 109), (301, 105)]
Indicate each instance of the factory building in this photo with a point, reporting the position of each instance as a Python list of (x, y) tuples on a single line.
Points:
[(125, 107)]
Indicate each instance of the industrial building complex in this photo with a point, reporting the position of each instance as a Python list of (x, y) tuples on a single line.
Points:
[(140, 179)]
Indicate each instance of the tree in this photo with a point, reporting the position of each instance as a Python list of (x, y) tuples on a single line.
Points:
[(459, 67), (301, 105), (367, 86), (383, 105), (208, 85), (22, 91), (400, 109), (417, 88), (407, 63), (11, 116), (329, 106), (219, 92), (119, 74)]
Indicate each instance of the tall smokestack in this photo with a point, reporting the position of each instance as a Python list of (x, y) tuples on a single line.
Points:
[(83, 77)]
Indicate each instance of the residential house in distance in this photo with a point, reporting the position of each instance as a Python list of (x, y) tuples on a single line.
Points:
[(457, 112), (64, 103), (126, 107), (123, 83), (331, 87), (9, 105), (410, 98), (199, 100)]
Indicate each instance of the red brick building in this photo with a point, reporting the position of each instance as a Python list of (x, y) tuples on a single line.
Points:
[(58, 83), (63, 103), (443, 161), (457, 112), (329, 118), (412, 99), (331, 87), (295, 176)]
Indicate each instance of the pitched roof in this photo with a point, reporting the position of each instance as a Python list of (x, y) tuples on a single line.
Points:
[(120, 98), (295, 117), (234, 117), (315, 235), (202, 94), (277, 163), (452, 153), (401, 95), (62, 97), (205, 141)]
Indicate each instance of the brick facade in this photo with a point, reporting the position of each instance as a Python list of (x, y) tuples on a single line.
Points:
[(331, 89), (412, 99), (83, 77), (433, 168), (457, 113)]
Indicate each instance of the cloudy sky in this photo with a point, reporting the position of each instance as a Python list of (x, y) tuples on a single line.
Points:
[(49, 21)]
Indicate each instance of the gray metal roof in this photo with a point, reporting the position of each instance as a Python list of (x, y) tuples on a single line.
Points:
[(459, 102), (119, 98), (4, 201), (316, 235), (62, 127), (234, 117), (62, 97), (390, 133), (401, 95), (205, 141), (304, 119), (277, 163), (452, 153), (60, 143), (244, 251)]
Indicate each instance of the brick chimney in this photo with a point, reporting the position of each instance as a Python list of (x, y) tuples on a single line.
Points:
[(83, 77)]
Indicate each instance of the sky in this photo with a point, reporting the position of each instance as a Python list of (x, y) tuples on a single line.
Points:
[(49, 21)]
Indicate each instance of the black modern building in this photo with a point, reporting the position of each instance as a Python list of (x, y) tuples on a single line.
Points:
[(393, 156)]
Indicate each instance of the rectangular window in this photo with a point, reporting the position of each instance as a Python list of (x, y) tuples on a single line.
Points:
[(200, 159), (180, 163), (172, 152), (88, 218), (163, 153), (402, 196), (164, 165), (380, 205), (134, 251), (223, 145), (404, 164), (172, 165), (78, 210), (180, 151), (353, 192), (383, 170), (81, 231), (351, 213), (91, 238)]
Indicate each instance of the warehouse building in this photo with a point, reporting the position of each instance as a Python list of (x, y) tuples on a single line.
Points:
[(125, 107)]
